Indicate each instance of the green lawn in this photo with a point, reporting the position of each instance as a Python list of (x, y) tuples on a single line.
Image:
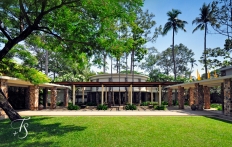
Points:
[(120, 131)]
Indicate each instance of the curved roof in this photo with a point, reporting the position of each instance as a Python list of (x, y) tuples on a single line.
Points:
[(122, 75)]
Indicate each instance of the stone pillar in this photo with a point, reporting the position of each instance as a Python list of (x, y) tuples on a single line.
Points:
[(66, 97), (191, 96), (181, 97), (33, 97), (222, 96), (206, 97), (227, 97), (4, 87), (196, 94), (169, 97), (200, 97), (53, 97)]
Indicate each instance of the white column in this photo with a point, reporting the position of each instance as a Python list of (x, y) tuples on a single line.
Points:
[(102, 96), (151, 95), (74, 94), (159, 95), (106, 95), (83, 94), (131, 94)]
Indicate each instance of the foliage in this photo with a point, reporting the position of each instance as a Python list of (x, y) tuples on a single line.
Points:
[(144, 104), (130, 107), (73, 107), (11, 68), (164, 103), (175, 102), (59, 103), (217, 106), (70, 78), (162, 107), (153, 103), (102, 107), (69, 26), (159, 65), (222, 13)]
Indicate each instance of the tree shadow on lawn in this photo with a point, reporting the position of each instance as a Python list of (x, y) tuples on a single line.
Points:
[(38, 132), (218, 118)]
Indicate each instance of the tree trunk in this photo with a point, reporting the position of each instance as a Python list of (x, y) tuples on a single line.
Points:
[(205, 52), (174, 62), (104, 63), (173, 56), (5, 105), (119, 92)]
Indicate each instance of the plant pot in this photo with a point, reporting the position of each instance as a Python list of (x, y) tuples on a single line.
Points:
[(193, 107), (41, 107)]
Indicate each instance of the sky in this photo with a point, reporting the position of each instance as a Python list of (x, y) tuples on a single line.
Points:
[(190, 10)]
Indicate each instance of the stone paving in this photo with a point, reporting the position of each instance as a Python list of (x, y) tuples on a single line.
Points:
[(120, 112), (141, 111)]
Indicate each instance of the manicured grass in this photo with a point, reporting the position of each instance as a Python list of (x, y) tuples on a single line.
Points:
[(121, 131)]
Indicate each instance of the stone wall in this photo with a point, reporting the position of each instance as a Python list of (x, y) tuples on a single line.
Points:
[(227, 97), (206, 97), (181, 97), (191, 96), (201, 97), (33, 97), (53, 97)]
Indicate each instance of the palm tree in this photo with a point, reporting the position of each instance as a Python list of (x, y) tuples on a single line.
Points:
[(193, 62), (206, 16), (174, 23)]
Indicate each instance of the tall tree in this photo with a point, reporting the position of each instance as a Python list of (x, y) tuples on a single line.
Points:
[(206, 17), (70, 26), (174, 23), (192, 63), (223, 15)]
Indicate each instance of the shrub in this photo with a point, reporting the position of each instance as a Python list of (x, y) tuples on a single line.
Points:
[(164, 103), (175, 102), (144, 104), (217, 106), (130, 107), (162, 107), (59, 104), (73, 107), (153, 103), (102, 107)]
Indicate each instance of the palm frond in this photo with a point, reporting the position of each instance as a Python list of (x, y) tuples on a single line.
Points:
[(198, 27), (167, 27)]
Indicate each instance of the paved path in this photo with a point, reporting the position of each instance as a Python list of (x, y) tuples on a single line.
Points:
[(140, 112)]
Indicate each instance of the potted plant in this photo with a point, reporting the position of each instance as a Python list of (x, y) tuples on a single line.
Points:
[(193, 107), (41, 107)]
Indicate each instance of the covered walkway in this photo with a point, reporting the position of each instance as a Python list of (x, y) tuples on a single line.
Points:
[(199, 92)]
